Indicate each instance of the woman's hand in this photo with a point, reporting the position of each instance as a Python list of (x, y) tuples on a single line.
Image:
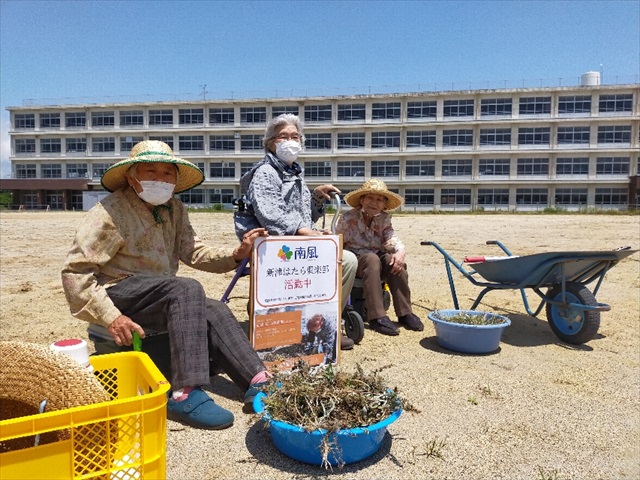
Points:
[(397, 262), (122, 328), (326, 190), (248, 239)]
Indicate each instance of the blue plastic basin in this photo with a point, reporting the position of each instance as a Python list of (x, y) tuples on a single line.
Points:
[(468, 338), (351, 445)]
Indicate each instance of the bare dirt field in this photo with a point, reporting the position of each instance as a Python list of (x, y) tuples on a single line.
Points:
[(535, 409)]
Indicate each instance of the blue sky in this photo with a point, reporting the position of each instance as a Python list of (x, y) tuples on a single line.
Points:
[(79, 49)]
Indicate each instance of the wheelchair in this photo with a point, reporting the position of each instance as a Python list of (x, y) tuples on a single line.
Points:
[(358, 298)]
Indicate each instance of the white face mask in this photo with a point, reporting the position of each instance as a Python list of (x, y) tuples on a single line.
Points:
[(288, 151), (156, 193)]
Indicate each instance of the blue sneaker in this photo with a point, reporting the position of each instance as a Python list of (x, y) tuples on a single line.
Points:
[(250, 396), (200, 411)]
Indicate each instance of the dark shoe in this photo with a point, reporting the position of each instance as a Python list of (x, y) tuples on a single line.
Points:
[(345, 342), (411, 322), (250, 396), (384, 326), (200, 411)]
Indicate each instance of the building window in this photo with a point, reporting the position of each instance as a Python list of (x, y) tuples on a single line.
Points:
[(26, 170), (99, 169), (385, 111), (427, 109), (221, 116), (222, 142), (51, 170), (102, 119), (496, 106), (49, 120), (131, 118), (127, 143), (385, 168), (455, 168), (493, 196), (571, 196), (251, 142), (385, 140), (614, 134), (245, 167), (494, 166), (191, 143), (458, 108), (455, 196), (75, 120), (351, 140), (317, 169), (612, 166), (574, 104), (532, 196), (165, 139), (572, 166), (77, 170), (317, 113), (277, 111), (160, 117), (25, 145), (611, 196), (534, 136), (76, 201), (24, 120), (534, 105), (221, 195), (573, 135), (351, 111), (318, 141), (75, 145), (351, 169), (103, 144), (50, 145), (193, 196), (419, 196), (191, 116), (533, 166), (420, 168), (253, 114), (421, 138), (222, 170), (621, 102), (457, 138), (495, 136)]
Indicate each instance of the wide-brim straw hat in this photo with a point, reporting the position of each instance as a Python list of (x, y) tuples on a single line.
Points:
[(377, 187), (189, 175)]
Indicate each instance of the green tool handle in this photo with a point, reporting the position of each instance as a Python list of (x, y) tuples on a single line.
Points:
[(137, 342)]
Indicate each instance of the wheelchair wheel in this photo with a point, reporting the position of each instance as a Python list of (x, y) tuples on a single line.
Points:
[(386, 297), (353, 324)]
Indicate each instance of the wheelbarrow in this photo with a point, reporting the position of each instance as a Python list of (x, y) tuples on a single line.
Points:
[(572, 310)]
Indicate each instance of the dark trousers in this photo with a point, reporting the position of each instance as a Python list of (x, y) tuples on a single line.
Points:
[(199, 328), (372, 269)]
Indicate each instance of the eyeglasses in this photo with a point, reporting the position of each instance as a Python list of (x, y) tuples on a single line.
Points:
[(285, 136)]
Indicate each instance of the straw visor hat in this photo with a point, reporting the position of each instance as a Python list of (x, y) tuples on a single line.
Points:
[(189, 175), (377, 187)]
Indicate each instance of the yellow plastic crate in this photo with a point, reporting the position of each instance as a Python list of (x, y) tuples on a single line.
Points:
[(124, 438)]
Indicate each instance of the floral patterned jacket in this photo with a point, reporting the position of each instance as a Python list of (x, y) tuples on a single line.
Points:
[(361, 239)]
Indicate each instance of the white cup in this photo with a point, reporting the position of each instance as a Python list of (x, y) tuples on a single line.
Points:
[(75, 348)]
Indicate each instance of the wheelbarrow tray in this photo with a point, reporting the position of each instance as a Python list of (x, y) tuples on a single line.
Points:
[(547, 269)]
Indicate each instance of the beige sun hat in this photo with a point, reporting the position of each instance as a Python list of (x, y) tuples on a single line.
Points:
[(189, 175), (377, 187)]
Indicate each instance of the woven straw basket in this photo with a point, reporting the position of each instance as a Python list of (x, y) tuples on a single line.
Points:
[(31, 373)]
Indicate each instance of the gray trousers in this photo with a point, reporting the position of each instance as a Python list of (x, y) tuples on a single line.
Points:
[(200, 329), (372, 269)]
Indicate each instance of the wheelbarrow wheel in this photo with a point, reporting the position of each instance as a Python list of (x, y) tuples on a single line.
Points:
[(573, 325), (353, 324)]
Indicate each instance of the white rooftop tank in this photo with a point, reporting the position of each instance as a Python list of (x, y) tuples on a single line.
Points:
[(590, 79)]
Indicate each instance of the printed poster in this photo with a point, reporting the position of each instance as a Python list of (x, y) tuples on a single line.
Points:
[(296, 286)]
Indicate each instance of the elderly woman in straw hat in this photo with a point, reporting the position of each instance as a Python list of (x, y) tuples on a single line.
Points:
[(367, 231), (277, 198), (121, 274)]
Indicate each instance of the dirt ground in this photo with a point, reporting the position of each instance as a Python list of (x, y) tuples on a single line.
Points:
[(536, 408)]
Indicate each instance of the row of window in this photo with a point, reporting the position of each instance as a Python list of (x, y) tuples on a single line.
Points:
[(569, 104), (383, 168), (573, 135)]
